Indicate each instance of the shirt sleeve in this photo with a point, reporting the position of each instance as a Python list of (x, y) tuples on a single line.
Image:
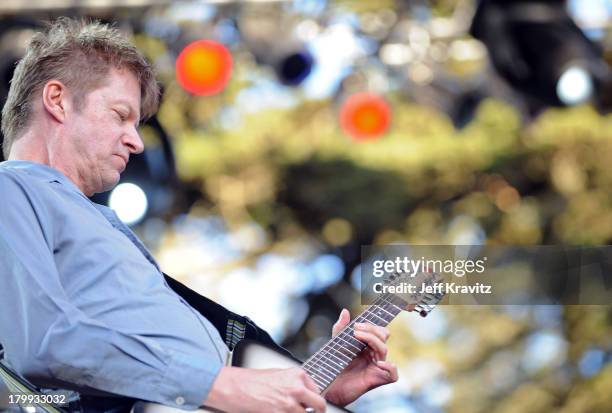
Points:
[(49, 340)]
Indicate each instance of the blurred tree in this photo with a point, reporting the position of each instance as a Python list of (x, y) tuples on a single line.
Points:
[(295, 174)]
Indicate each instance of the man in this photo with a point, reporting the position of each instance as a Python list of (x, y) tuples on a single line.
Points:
[(84, 305)]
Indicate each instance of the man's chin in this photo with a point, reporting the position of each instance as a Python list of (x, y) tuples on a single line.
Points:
[(111, 183)]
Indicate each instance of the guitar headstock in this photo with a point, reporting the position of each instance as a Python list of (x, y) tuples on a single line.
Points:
[(428, 292)]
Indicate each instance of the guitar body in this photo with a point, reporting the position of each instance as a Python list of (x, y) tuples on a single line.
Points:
[(248, 354)]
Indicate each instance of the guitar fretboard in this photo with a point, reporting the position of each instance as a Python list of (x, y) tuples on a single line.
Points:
[(327, 363)]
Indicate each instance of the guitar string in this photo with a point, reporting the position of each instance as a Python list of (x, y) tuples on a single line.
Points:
[(345, 333), (322, 355), (332, 347)]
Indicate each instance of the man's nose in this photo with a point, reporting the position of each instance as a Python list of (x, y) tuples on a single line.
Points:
[(133, 141)]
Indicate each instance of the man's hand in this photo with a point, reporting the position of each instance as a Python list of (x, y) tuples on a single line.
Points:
[(272, 390), (369, 370)]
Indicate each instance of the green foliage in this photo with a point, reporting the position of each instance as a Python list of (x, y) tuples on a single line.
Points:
[(293, 171)]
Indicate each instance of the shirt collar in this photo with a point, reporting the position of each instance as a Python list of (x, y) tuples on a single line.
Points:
[(42, 171)]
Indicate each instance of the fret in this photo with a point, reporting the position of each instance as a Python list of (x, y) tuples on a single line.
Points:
[(365, 320), (351, 338), (327, 372), (325, 355), (343, 350), (398, 301), (396, 307), (380, 310), (385, 322), (340, 367), (322, 373), (331, 352), (387, 303), (374, 314), (319, 382), (323, 358), (330, 372), (326, 375), (355, 342), (324, 385), (335, 353), (325, 365), (350, 344), (330, 369), (391, 306), (316, 376), (392, 298), (391, 301)]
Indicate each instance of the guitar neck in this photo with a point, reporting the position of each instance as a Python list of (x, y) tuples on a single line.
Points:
[(327, 363)]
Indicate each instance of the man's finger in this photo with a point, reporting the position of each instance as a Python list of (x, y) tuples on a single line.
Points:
[(390, 368), (381, 332), (343, 320), (312, 385), (313, 400), (372, 341)]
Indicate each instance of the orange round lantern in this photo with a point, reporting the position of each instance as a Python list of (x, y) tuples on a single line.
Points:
[(204, 67), (365, 116)]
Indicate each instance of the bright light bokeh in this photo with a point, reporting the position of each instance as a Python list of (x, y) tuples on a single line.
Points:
[(204, 67), (574, 86), (365, 116), (130, 203)]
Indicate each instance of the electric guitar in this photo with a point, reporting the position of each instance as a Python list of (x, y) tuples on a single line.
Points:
[(327, 363)]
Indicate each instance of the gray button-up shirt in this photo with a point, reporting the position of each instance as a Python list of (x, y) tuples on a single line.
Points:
[(83, 304)]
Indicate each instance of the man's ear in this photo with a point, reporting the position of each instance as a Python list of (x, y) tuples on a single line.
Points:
[(55, 99)]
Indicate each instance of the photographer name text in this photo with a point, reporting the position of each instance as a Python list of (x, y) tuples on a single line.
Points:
[(425, 288)]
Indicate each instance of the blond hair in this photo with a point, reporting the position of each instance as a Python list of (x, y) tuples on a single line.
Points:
[(79, 54)]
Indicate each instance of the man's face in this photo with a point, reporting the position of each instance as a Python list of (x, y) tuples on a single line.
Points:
[(103, 133)]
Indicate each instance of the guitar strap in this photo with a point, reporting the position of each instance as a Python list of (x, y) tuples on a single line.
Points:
[(231, 326)]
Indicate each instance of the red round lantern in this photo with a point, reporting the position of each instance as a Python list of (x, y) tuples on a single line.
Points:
[(204, 67)]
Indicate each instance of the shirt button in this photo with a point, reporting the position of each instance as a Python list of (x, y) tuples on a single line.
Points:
[(180, 401)]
